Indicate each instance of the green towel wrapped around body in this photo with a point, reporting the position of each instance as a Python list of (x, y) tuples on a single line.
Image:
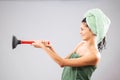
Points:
[(98, 22), (77, 73)]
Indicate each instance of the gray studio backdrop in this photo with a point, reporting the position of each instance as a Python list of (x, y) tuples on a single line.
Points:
[(59, 22)]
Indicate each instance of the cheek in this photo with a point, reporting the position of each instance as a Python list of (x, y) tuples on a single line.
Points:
[(85, 33), (88, 32), (82, 33)]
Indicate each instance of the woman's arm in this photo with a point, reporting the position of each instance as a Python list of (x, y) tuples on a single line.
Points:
[(91, 59), (83, 61), (49, 49)]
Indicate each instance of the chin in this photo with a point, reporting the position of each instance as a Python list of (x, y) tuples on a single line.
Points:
[(83, 39)]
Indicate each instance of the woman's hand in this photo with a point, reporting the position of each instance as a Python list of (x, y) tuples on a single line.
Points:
[(41, 43), (46, 46)]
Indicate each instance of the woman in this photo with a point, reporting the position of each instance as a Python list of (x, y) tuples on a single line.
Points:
[(82, 61)]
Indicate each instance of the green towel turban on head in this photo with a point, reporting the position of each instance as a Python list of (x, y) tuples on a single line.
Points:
[(98, 22)]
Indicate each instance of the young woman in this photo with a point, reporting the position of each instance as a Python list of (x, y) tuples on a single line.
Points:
[(82, 61)]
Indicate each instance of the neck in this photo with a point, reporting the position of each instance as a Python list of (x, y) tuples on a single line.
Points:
[(91, 42)]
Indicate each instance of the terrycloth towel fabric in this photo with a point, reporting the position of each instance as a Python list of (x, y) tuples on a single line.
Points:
[(98, 22)]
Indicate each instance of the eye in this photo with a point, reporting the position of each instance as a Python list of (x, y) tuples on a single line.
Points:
[(82, 29)]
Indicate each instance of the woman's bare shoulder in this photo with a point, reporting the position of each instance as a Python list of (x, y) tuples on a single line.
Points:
[(78, 45), (81, 43)]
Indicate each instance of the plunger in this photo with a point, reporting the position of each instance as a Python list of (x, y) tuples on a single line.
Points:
[(15, 42)]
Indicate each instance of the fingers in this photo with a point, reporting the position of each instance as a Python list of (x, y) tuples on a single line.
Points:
[(40, 43), (36, 44)]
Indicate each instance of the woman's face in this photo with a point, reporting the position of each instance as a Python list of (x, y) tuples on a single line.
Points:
[(85, 32)]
